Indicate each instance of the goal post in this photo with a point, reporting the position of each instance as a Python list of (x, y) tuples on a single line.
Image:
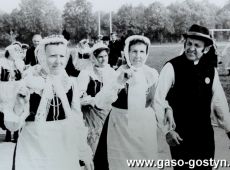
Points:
[(216, 34)]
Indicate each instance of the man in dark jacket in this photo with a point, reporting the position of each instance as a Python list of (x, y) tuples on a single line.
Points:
[(115, 48), (30, 58), (189, 89)]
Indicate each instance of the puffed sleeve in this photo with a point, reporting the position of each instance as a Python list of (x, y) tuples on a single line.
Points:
[(220, 104), (83, 81), (85, 152), (109, 93), (165, 82), (15, 112)]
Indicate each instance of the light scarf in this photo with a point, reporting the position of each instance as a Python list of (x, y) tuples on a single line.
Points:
[(138, 84), (53, 84)]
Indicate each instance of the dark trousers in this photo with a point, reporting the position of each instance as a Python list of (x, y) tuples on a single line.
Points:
[(191, 156)]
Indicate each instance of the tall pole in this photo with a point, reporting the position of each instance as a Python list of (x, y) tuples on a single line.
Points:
[(11, 35), (110, 22), (99, 23)]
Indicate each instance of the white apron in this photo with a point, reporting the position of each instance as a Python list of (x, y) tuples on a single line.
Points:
[(50, 145), (132, 133), (127, 141)]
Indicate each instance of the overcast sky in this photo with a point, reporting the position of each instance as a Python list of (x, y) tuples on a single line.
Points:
[(104, 5)]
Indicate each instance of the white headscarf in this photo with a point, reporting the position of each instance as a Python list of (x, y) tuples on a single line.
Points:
[(98, 46), (41, 54), (127, 45), (16, 54)]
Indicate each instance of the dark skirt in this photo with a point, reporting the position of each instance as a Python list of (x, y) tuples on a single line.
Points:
[(2, 125), (94, 120), (101, 154)]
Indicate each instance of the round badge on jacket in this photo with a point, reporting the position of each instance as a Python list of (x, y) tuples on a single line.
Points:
[(207, 80)]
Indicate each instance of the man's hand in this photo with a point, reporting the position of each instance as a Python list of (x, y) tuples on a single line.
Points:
[(168, 119), (173, 138)]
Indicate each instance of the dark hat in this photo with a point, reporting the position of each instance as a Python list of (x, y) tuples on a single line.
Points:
[(25, 46), (105, 38), (199, 32)]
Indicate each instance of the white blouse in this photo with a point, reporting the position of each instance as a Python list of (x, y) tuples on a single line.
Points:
[(219, 102)]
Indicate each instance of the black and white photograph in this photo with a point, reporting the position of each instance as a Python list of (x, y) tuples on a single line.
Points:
[(114, 84)]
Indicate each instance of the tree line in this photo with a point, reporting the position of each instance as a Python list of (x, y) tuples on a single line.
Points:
[(158, 22)]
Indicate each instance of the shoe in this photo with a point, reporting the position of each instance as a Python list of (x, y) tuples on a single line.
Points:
[(8, 136), (14, 141)]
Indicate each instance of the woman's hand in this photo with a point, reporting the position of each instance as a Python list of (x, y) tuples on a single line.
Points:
[(22, 98), (87, 100), (124, 76)]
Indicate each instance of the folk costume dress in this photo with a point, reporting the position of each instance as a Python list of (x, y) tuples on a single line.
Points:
[(10, 71), (7, 73), (55, 140), (130, 130), (53, 136), (90, 82)]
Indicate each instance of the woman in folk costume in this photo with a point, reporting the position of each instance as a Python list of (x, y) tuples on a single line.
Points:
[(11, 68), (82, 59), (90, 82), (130, 130), (53, 136)]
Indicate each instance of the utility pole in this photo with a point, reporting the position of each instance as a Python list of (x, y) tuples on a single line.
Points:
[(99, 23), (110, 22)]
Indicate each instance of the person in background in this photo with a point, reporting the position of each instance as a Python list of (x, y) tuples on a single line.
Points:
[(90, 82), (30, 58), (25, 47), (99, 39), (82, 53), (115, 47), (190, 85), (70, 68), (11, 68), (105, 40)]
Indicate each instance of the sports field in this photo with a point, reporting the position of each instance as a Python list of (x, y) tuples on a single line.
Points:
[(159, 54)]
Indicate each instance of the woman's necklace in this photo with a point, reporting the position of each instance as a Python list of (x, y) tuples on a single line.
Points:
[(55, 102)]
